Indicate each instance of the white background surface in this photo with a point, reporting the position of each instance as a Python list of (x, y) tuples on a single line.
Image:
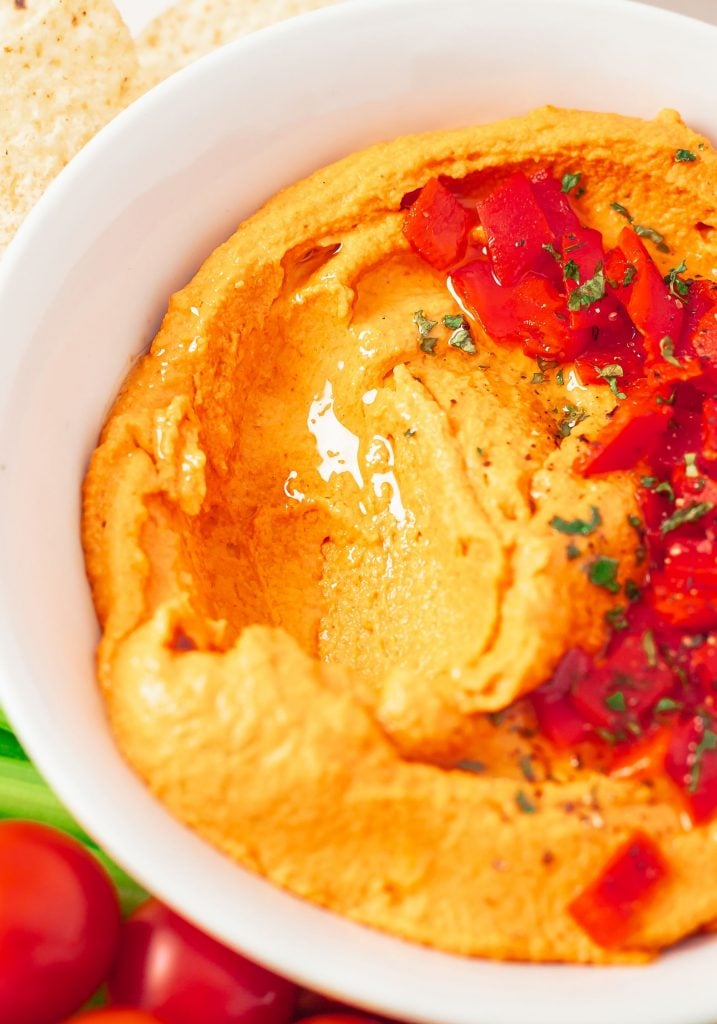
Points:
[(137, 13)]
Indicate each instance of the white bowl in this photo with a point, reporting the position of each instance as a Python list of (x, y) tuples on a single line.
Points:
[(82, 290)]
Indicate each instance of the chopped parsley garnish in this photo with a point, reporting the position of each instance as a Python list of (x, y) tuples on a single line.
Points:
[(589, 292), (425, 326), (676, 284), (582, 527), (610, 374), (691, 469), (463, 339), (573, 552), (667, 704), (454, 321), (649, 647), (525, 804), (622, 210), (526, 767), (550, 248), (690, 514), (469, 765), (571, 271), (559, 378), (409, 433), (707, 742), (629, 275), (616, 618), (538, 378), (635, 522), (632, 591), (654, 485), (654, 236), (616, 701), (685, 156), (572, 417), (603, 573), (667, 350), (570, 181)]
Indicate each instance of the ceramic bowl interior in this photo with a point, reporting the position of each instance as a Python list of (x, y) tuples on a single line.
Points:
[(82, 291)]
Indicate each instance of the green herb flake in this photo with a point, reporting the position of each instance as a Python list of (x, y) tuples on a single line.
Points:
[(463, 339), (409, 433), (632, 591), (616, 701), (603, 573), (572, 416), (559, 378), (666, 704), (665, 488), (581, 527), (526, 767), (622, 210), (652, 235), (550, 248), (429, 345), (649, 482), (570, 181), (629, 275), (677, 285), (635, 522), (480, 451), (667, 350), (616, 618), (610, 374), (707, 742), (689, 514), (685, 156), (524, 803), (573, 552), (589, 292), (454, 320), (649, 647), (691, 469), (424, 325), (538, 378), (571, 271), (469, 765)]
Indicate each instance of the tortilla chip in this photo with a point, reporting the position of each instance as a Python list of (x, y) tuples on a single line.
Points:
[(192, 28), (66, 68)]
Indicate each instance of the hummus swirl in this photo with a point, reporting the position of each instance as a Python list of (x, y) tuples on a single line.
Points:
[(324, 567)]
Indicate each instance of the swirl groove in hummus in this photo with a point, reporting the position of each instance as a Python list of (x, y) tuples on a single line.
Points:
[(324, 567)]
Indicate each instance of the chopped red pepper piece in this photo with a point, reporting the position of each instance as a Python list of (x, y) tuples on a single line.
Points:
[(531, 312), (644, 758), (709, 429), (554, 203), (699, 330), (684, 591), (610, 907), (654, 310), (633, 432), (557, 717), (437, 226), (516, 229), (703, 665), (692, 763)]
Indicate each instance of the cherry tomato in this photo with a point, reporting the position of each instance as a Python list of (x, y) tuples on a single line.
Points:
[(168, 967), (116, 1016), (59, 924)]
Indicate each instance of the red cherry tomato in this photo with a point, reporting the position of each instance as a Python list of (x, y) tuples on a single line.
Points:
[(59, 924), (168, 967), (114, 1017)]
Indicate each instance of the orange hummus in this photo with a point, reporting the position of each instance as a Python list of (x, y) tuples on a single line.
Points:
[(324, 570)]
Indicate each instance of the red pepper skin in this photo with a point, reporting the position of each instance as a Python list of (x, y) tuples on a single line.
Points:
[(626, 670), (437, 226), (694, 770), (609, 907), (516, 229), (653, 309), (699, 330), (709, 429), (631, 435), (684, 590), (554, 203), (529, 312), (557, 717), (703, 666)]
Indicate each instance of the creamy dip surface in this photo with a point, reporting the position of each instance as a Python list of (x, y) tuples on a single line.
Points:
[(323, 557)]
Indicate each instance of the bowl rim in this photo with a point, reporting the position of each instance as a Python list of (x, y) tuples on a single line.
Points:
[(35, 730)]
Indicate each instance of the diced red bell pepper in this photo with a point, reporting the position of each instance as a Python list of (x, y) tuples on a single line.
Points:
[(703, 665), (531, 312), (654, 310), (437, 225), (557, 716), (609, 908), (644, 757), (699, 329), (627, 672), (605, 319), (684, 590), (709, 429), (691, 763), (619, 274), (516, 229), (634, 431), (554, 203), (618, 343)]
